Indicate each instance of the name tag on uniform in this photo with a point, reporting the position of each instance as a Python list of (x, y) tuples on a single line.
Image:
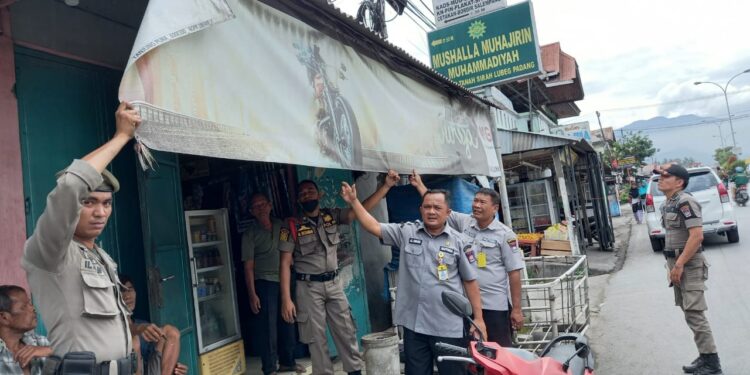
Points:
[(415, 241), (447, 250), (304, 230)]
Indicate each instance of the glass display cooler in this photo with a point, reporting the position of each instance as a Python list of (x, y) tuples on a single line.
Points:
[(214, 293), (532, 206)]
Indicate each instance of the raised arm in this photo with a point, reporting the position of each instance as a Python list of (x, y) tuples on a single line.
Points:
[(47, 246), (390, 181), (349, 194), (416, 180)]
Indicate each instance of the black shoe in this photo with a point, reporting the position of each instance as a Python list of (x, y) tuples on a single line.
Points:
[(698, 362), (711, 365), (358, 372)]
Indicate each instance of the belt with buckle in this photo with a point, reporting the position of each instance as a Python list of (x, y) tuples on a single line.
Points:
[(328, 276), (676, 252)]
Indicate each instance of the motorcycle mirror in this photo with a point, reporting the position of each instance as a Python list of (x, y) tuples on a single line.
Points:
[(582, 346), (456, 303)]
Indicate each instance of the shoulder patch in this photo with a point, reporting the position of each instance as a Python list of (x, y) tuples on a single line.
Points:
[(284, 235), (469, 252), (686, 210), (512, 242)]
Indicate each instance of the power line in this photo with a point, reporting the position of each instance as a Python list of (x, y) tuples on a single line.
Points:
[(657, 128), (670, 102)]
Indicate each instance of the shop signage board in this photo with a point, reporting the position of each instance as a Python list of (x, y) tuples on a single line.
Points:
[(627, 161), (227, 360), (494, 48), (448, 12), (290, 94)]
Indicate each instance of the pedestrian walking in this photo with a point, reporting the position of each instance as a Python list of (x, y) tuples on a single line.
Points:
[(635, 202), (74, 282), (688, 269), (434, 258)]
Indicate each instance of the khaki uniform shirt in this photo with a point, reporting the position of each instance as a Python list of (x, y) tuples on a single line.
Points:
[(75, 289), (315, 242), (497, 253), (419, 305), (262, 246), (678, 214)]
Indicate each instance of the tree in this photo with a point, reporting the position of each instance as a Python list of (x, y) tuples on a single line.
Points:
[(722, 154), (638, 145)]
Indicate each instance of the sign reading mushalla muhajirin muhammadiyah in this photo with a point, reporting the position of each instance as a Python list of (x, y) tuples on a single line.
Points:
[(494, 48)]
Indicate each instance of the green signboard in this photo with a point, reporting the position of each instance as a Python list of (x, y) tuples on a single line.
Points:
[(493, 48)]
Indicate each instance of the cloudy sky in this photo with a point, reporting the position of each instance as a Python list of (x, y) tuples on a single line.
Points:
[(638, 59)]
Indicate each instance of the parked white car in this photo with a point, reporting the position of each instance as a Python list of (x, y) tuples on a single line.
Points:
[(716, 207)]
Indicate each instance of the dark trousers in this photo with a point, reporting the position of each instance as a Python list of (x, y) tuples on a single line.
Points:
[(420, 354), (498, 327), (278, 337)]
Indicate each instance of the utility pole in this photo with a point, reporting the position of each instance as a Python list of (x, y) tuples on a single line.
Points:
[(606, 144)]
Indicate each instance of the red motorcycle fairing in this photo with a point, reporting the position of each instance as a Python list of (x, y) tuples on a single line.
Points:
[(508, 363)]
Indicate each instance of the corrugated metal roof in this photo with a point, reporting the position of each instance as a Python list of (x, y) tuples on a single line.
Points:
[(512, 142)]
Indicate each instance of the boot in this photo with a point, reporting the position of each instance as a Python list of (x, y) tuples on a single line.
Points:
[(711, 365), (358, 372), (698, 362)]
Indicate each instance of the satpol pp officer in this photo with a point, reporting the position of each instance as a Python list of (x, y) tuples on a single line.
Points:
[(434, 258), (498, 259), (688, 270), (311, 243), (74, 282)]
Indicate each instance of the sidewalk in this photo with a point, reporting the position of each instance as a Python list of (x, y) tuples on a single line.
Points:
[(605, 262)]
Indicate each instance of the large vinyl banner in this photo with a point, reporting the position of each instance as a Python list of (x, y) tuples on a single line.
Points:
[(241, 80)]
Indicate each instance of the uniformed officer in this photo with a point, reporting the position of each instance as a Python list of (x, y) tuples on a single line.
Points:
[(498, 260), (311, 242), (73, 281), (260, 254), (688, 270), (434, 258)]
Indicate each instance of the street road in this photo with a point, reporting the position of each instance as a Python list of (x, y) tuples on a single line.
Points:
[(639, 330)]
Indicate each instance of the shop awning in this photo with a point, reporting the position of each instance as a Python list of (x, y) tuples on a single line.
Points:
[(512, 142)]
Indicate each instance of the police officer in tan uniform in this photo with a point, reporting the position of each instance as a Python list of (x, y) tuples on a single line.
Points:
[(74, 282), (688, 270), (311, 243)]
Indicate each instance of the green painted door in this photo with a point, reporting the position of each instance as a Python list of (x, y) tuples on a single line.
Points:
[(165, 244), (66, 110), (350, 261)]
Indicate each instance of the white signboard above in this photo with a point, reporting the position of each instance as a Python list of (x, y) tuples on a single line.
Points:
[(448, 12)]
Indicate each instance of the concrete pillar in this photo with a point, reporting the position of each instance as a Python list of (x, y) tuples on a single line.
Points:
[(13, 218), (563, 191)]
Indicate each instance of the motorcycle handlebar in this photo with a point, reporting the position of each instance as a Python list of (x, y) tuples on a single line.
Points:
[(451, 349)]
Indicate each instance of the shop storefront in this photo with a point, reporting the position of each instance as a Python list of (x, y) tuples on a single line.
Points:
[(176, 227)]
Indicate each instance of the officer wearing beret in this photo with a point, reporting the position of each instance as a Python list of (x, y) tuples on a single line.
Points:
[(688, 270), (311, 243), (74, 282), (434, 258)]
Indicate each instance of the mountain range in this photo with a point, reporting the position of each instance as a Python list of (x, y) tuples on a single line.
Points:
[(690, 136)]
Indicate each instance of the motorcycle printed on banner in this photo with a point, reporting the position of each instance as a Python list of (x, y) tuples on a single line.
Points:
[(337, 130)]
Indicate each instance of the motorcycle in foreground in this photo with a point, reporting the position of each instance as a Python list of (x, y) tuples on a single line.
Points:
[(568, 354), (740, 196)]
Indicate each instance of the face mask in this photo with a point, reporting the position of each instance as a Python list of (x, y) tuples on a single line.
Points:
[(309, 206)]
